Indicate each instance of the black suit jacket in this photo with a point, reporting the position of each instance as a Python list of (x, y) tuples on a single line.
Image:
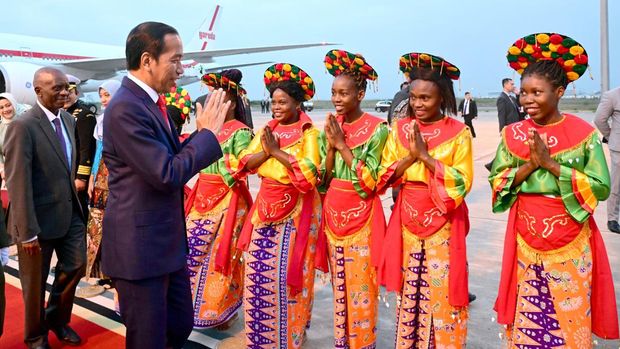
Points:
[(473, 108), (39, 180), (144, 224), (507, 110)]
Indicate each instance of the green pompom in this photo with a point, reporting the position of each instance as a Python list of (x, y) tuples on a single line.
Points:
[(555, 55), (568, 42), (512, 58), (580, 68), (567, 56), (530, 39)]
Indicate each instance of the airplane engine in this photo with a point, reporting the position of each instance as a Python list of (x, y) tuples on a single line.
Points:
[(16, 78)]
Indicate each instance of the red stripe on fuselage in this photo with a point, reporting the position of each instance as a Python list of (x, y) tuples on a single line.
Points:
[(40, 55)]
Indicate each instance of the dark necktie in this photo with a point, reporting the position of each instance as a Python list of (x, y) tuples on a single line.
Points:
[(61, 138), (161, 103)]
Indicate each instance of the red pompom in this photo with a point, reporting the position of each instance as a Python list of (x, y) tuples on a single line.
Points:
[(556, 39)]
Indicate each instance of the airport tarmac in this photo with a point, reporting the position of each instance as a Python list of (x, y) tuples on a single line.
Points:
[(485, 244)]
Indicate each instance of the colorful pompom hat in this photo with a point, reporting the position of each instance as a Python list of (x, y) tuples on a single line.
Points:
[(287, 71), (414, 60), (338, 61), (216, 80), (179, 98), (549, 46)]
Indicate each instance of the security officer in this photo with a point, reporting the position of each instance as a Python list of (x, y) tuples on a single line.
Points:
[(85, 122)]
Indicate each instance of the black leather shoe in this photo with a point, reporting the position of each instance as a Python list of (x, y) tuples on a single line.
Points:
[(67, 335), (472, 297), (41, 346), (489, 166), (613, 226)]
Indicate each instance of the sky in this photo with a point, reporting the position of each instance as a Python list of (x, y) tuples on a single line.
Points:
[(474, 34)]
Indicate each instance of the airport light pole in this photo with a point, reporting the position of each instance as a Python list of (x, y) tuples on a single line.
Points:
[(604, 48)]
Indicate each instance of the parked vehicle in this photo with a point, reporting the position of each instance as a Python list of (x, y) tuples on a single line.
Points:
[(383, 105), (308, 105)]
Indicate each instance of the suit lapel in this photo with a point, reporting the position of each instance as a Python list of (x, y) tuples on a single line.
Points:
[(49, 132), (160, 120), (152, 107)]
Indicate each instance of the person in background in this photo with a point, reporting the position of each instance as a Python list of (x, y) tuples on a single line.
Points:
[(556, 286), (85, 122), (607, 120), (400, 102), (469, 111), (98, 193)]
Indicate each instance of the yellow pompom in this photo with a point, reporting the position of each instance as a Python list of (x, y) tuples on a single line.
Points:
[(328, 66), (185, 110), (293, 76), (514, 50), (523, 64), (576, 50), (286, 67), (553, 47), (307, 97), (520, 71), (307, 80), (359, 61), (569, 63), (546, 54), (542, 38), (424, 57), (528, 49), (183, 93), (336, 53), (268, 74), (572, 76)]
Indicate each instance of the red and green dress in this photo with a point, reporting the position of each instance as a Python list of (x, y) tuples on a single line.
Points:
[(354, 224), (556, 287), (215, 211), (424, 255), (279, 238)]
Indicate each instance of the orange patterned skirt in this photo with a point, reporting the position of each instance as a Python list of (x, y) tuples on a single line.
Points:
[(553, 297), (215, 297), (425, 318)]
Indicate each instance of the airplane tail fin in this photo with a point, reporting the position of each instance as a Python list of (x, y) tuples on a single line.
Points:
[(204, 37)]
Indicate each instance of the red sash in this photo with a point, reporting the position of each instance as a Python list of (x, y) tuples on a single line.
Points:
[(544, 223), (602, 299), (210, 186), (274, 202), (390, 269), (435, 133), (418, 211), (208, 191), (288, 135), (346, 213)]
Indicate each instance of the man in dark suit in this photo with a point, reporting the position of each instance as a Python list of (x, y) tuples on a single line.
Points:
[(44, 213), (507, 110), (507, 105), (469, 111), (85, 123), (144, 239)]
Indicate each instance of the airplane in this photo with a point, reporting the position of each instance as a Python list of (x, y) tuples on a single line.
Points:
[(21, 56)]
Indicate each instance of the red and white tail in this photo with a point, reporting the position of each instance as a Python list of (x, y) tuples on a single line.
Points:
[(204, 37)]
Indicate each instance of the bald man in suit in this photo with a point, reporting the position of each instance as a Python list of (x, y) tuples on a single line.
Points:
[(45, 215)]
